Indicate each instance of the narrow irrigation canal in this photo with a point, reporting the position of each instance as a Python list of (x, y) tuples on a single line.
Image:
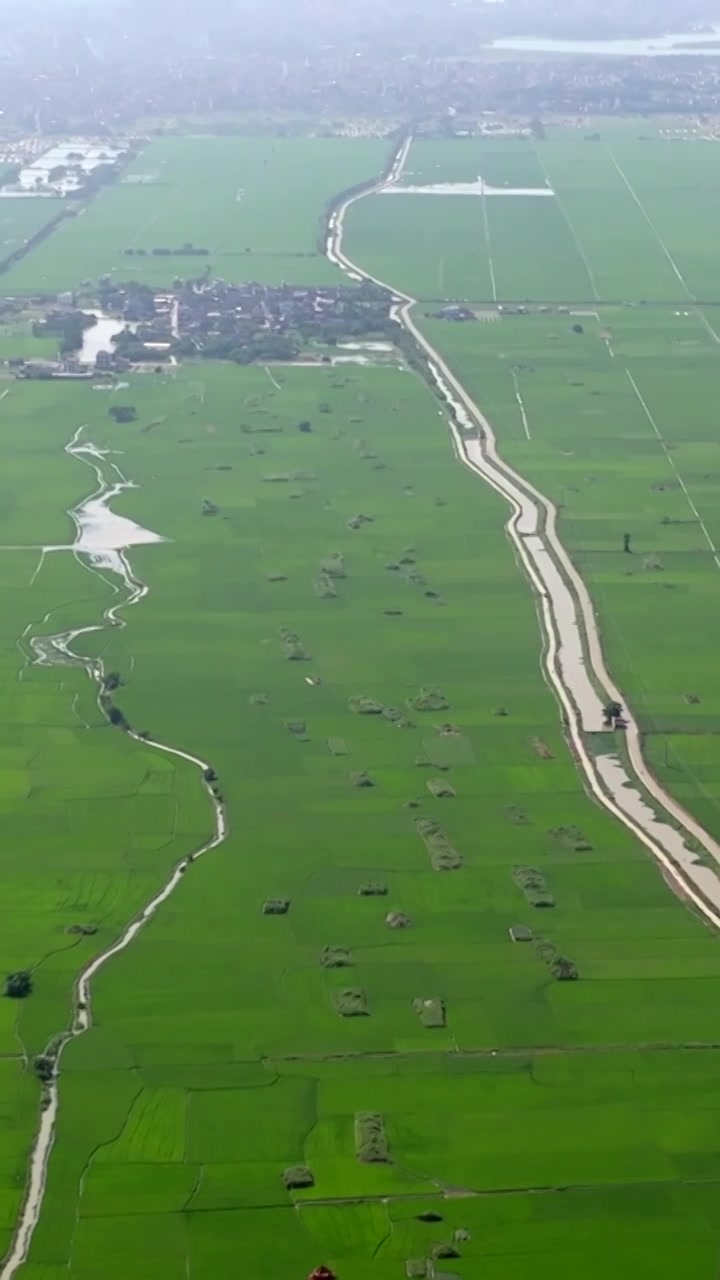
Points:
[(102, 542)]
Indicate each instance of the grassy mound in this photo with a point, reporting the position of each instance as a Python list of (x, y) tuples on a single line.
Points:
[(363, 706), (292, 646), (442, 854), (439, 788), (533, 884), (276, 906), (431, 1012), (371, 1144), (351, 1002), (297, 1176), (336, 958), (573, 838), (562, 969), (429, 700)]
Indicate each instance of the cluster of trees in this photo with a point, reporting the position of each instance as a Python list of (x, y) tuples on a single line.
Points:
[(18, 985), (130, 346), (186, 250), (240, 348), (121, 413), (135, 301), (67, 327)]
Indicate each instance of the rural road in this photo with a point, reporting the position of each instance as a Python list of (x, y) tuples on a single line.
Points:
[(573, 660)]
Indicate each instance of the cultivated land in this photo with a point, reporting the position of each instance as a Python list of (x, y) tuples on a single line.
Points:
[(634, 219), (622, 436), (220, 1056), (257, 205)]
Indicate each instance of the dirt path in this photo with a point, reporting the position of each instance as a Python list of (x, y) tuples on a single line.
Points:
[(573, 661)]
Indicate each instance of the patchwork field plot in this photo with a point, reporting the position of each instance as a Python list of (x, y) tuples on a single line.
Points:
[(427, 1011), (622, 436), (21, 218), (254, 204), (207, 1064), (633, 219)]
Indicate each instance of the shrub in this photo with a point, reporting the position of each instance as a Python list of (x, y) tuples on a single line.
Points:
[(416, 1268), (351, 1002), (392, 714), (533, 885), (297, 727), (357, 522), (371, 1144), (372, 889), (44, 1067), (19, 984), (337, 746), (298, 1175), (276, 577), (123, 413), (361, 779), (336, 958), (276, 906), (431, 1012), (258, 699)]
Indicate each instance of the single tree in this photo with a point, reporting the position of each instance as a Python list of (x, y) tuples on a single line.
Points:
[(18, 985), (611, 712)]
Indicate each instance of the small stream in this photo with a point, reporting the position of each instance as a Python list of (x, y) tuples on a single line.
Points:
[(102, 541)]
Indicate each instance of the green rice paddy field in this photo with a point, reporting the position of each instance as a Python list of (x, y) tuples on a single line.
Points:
[(634, 218), (257, 205), (623, 435), (219, 1057), (553, 1128)]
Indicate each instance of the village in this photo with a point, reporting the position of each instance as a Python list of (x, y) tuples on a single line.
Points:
[(140, 328)]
